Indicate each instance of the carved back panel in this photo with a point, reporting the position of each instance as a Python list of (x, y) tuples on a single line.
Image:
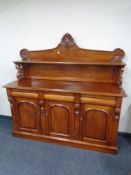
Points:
[(68, 51), (69, 62)]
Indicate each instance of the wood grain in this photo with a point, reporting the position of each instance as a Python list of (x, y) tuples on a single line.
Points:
[(68, 95)]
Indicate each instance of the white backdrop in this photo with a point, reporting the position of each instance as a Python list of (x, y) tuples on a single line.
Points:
[(40, 24)]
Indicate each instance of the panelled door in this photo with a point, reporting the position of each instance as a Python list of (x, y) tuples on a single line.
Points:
[(97, 123), (60, 116), (27, 112)]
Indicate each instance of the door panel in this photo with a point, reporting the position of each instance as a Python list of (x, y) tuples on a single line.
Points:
[(28, 115), (60, 119), (29, 120), (96, 123), (98, 120)]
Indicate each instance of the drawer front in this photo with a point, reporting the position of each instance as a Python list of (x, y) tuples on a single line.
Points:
[(98, 101), (24, 94), (59, 97), (84, 99)]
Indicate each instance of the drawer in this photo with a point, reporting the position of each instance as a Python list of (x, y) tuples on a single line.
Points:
[(25, 94), (59, 97), (98, 101)]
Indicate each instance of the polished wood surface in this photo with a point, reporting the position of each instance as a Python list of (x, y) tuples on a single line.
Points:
[(27, 114), (68, 52), (72, 73), (67, 86), (97, 118), (60, 119), (68, 95)]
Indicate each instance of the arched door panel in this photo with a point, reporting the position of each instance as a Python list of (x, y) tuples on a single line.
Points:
[(96, 123), (60, 119), (28, 115)]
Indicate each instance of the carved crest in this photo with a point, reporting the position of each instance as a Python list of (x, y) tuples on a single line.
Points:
[(67, 41)]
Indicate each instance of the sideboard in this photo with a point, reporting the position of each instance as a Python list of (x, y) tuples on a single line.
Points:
[(68, 95)]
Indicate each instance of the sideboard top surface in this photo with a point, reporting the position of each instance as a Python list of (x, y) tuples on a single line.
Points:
[(68, 86)]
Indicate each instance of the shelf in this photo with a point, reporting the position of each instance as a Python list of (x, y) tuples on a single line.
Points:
[(70, 63)]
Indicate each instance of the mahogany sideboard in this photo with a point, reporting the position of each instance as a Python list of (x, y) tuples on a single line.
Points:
[(68, 95)]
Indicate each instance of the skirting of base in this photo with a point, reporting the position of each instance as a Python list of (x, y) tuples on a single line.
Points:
[(73, 143)]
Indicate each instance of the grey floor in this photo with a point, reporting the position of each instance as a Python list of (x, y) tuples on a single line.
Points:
[(25, 157)]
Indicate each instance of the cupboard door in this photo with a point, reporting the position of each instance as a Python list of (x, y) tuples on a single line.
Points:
[(60, 118), (27, 115), (97, 123)]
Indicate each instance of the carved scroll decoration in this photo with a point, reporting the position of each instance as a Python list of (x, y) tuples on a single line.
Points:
[(20, 73), (41, 103), (77, 106), (118, 54), (42, 108), (23, 54), (10, 99), (117, 112), (121, 77)]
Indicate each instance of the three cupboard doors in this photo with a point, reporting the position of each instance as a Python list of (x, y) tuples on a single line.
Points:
[(60, 120)]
